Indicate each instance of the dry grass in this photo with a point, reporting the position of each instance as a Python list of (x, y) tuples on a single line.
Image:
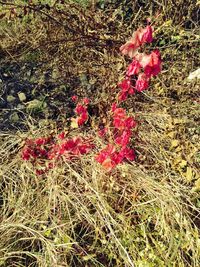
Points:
[(80, 216), (143, 214)]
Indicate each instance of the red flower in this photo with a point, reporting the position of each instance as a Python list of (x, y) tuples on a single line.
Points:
[(26, 153), (85, 148), (151, 63), (54, 152), (40, 141), (101, 157), (131, 91), (82, 118), (68, 145), (122, 96), (127, 153), (145, 35), (142, 82), (119, 112), (70, 148), (133, 68), (124, 138), (139, 37), (80, 109), (114, 107), (154, 66), (121, 121), (107, 157), (74, 98), (102, 132), (105, 153), (130, 47), (86, 101), (41, 153), (125, 85), (61, 135), (117, 158), (130, 123), (108, 164)]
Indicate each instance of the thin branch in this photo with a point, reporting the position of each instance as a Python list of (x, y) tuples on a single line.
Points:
[(36, 9)]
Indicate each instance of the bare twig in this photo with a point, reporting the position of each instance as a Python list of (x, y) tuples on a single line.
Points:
[(36, 9)]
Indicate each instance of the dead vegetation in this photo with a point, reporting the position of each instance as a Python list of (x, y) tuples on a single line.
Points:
[(143, 214)]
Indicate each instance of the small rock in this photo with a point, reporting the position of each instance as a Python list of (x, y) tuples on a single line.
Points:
[(35, 104), (195, 74), (10, 98), (55, 74), (20, 106), (14, 117), (22, 96)]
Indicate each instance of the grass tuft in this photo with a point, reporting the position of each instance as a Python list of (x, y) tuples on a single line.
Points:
[(143, 214)]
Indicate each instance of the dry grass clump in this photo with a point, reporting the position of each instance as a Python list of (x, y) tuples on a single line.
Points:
[(142, 214), (78, 215)]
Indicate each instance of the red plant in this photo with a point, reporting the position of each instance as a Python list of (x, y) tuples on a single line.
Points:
[(46, 152), (121, 134), (142, 82), (138, 38), (112, 155), (151, 63), (133, 68), (74, 98), (50, 150), (81, 111)]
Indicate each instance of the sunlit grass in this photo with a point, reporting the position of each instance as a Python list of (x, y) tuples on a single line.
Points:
[(142, 214)]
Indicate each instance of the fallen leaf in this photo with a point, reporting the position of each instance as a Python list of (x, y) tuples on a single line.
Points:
[(174, 143), (183, 163), (74, 124), (189, 174)]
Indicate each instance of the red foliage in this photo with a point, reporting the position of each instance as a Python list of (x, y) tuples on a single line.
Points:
[(51, 150), (138, 38), (47, 152), (151, 63), (142, 82), (81, 110), (133, 68)]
